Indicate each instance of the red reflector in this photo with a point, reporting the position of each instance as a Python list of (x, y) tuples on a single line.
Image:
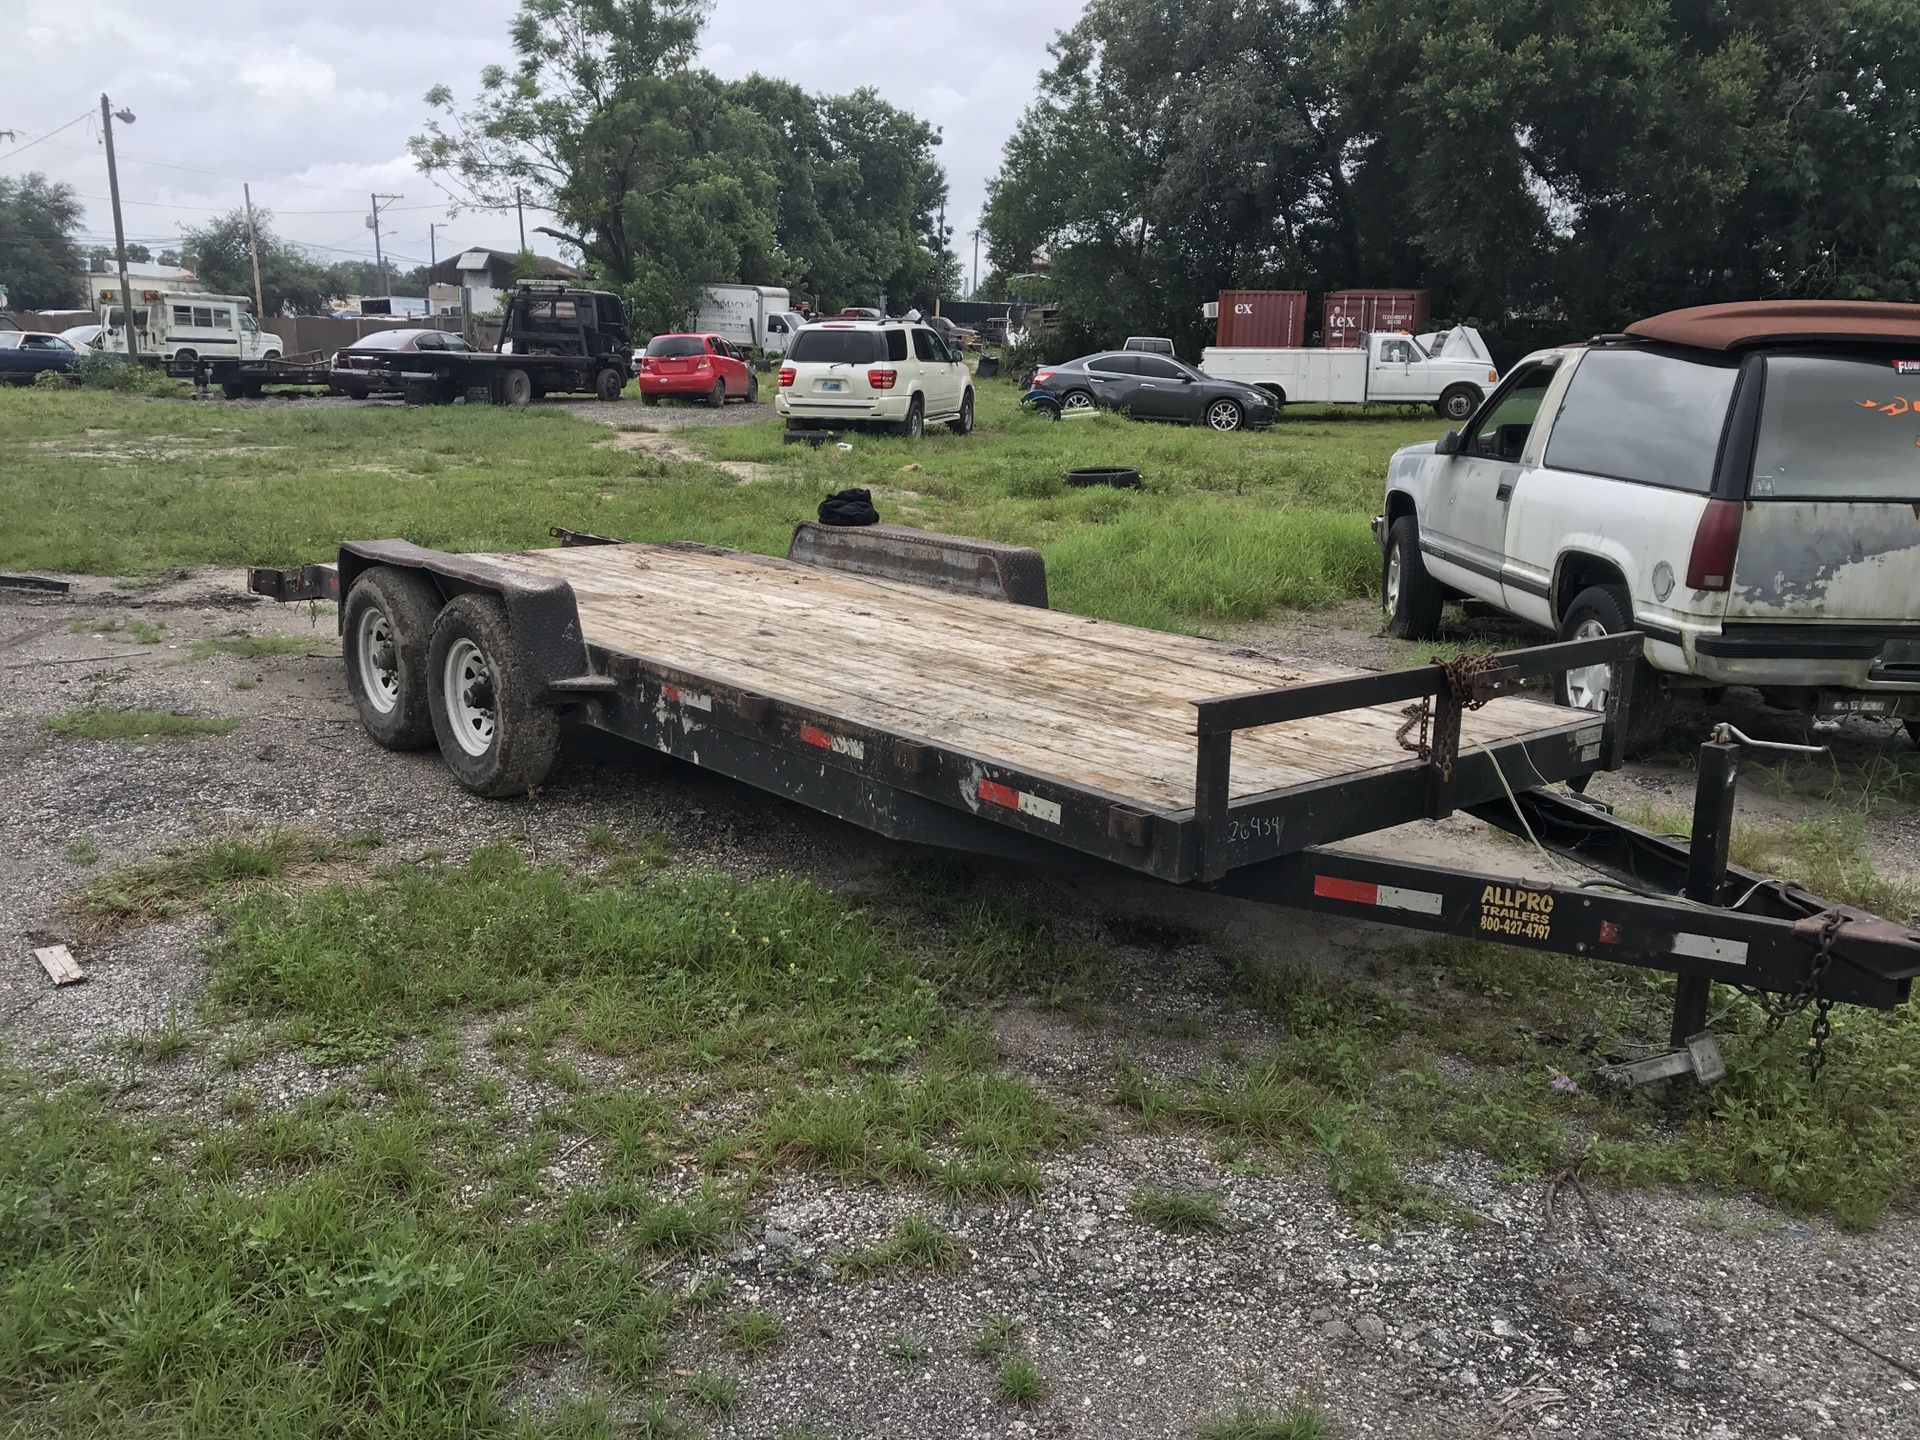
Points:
[(1359, 892), (1609, 932), (1710, 567), (786, 376), (882, 379), (994, 793), (814, 736)]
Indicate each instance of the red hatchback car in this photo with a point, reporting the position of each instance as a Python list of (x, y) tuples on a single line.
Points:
[(695, 367)]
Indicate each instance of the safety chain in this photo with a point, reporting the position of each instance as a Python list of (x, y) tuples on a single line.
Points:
[(1463, 676), (1779, 1007)]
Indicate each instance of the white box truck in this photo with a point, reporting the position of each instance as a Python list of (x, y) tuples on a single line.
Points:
[(190, 327), (1387, 369), (759, 317)]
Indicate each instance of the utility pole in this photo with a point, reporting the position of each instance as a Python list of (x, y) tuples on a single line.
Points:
[(433, 261), (373, 224), (253, 248), (520, 211), (976, 261), (120, 230)]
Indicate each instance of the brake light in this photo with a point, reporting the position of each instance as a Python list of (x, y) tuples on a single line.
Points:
[(786, 376), (703, 363), (1710, 567), (646, 363), (882, 379), (1040, 377)]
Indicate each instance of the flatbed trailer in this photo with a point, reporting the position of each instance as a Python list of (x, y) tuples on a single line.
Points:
[(484, 377), (918, 686), (246, 379)]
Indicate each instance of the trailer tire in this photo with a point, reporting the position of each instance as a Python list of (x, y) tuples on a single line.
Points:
[(389, 607), (516, 388), (1913, 731), (232, 390), (1412, 598), (494, 734), (1608, 610), (609, 383), (1457, 403), (357, 392)]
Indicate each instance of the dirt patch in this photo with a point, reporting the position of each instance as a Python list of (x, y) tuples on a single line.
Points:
[(665, 447)]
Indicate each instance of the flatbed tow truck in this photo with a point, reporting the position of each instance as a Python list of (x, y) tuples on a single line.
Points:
[(916, 684)]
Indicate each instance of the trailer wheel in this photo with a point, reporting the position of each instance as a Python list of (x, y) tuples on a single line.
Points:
[(516, 388), (386, 625), (609, 383), (1913, 731), (1413, 598), (232, 390), (1458, 403), (494, 734)]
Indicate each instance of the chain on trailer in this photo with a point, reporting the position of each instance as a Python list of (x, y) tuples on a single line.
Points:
[(1464, 674), (1781, 1008)]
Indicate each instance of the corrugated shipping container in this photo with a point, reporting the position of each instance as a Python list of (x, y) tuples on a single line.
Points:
[(1349, 314), (1270, 319)]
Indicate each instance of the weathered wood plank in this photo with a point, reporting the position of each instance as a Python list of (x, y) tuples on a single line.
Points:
[(59, 964)]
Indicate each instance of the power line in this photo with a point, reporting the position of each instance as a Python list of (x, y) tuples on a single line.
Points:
[(50, 134)]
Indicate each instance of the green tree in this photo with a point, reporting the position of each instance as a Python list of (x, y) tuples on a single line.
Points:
[(137, 254), (40, 263), (290, 282)]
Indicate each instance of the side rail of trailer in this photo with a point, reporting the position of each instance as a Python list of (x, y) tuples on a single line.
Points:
[(1628, 896)]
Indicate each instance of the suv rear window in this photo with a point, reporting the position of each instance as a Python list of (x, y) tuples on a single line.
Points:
[(836, 347), (669, 346), (1837, 428), (1641, 415)]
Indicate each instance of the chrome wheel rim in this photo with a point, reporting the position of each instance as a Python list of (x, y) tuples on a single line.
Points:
[(1392, 586), (1223, 415), (467, 688), (1077, 401), (916, 423), (1587, 684), (379, 661)]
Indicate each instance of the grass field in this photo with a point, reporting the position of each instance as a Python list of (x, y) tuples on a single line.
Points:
[(1225, 527)]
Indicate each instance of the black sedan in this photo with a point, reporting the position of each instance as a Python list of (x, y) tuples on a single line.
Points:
[(361, 368), (1154, 387)]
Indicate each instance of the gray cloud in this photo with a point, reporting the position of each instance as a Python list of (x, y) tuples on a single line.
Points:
[(314, 105)]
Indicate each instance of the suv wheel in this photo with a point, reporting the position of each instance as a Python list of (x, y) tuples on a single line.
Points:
[(1608, 610), (915, 425), (1413, 598), (963, 424)]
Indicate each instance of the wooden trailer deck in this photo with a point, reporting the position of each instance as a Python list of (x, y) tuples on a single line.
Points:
[(1102, 707)]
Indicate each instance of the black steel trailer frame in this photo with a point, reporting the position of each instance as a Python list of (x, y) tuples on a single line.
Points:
[(242, 379), (1657, 903), (482, 376)]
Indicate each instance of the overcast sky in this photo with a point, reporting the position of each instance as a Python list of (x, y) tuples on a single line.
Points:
[(314, 103)]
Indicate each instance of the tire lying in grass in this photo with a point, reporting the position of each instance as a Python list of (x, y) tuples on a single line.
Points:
[(387, 623), (494, 734), (1121, 477)]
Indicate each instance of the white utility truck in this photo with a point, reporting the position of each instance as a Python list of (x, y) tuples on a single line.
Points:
[(191, 327), (1386, 369), (759, 317)]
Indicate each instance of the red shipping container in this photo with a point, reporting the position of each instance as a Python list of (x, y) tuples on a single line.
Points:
[(1349, 314), (1270, 319)]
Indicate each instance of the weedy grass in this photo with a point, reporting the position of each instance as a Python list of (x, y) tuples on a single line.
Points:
[(1019, 1382), (1298, 1421), (1226, 527), (130, 727), (754, 1332), (263, 647), (132, 631), (184, 876), (995, 1338), (1178, 1212), (916, 1243)]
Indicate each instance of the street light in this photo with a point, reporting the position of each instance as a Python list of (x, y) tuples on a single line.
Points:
[(125, 117)]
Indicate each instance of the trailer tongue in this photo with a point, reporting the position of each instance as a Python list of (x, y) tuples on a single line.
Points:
[(916, 685)]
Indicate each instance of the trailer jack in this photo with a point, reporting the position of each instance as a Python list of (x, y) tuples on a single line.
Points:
[(1699, 1057)]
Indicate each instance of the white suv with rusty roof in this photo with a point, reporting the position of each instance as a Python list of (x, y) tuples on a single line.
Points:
[(1740, 483), (893, 374)]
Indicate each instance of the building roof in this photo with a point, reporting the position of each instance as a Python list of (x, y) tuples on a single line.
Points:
[(478, 257), (1762, 322)]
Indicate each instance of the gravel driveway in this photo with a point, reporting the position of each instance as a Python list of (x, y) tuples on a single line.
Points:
[(1661, 1313)]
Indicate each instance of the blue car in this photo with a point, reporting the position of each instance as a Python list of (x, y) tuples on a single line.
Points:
[(25, 353)]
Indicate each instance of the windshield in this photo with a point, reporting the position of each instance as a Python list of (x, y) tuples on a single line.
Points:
[(669, 346), (836, 347), (1839, 428)]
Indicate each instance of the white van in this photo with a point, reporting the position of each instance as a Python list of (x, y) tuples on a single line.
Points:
[(190, 327)]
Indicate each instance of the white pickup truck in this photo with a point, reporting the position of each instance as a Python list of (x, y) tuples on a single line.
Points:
[(1737, 482), (1385, 369)]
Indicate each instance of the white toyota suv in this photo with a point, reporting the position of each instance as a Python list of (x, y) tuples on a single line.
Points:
[(898, 374), (1740, 483)]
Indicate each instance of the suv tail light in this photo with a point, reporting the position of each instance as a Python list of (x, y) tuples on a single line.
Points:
[(1710, 567), (882, 379), (1040, 377), (787, 373)]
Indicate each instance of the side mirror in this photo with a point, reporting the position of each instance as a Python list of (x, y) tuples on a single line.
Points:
[(1447, 444)]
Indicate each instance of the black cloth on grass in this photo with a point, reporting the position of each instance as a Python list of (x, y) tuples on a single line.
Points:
[(849, 507)]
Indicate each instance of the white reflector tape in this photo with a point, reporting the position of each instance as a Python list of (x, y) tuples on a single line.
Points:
[(1706, 947), (1426, 902), (1040, 809)]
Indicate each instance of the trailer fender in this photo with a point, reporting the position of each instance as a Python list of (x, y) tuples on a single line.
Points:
[(542, 614)]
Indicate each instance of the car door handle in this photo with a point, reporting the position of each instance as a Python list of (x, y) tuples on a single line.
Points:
[(1505, 492)]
